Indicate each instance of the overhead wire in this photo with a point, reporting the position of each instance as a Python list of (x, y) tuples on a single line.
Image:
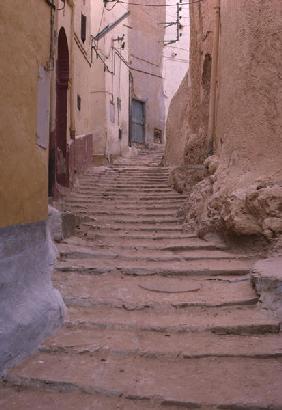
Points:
[(154, 5)]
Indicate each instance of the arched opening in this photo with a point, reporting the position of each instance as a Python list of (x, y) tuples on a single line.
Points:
[(62, 81)]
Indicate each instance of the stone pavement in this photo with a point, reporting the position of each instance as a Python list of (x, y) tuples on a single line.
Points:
[(157, 317)]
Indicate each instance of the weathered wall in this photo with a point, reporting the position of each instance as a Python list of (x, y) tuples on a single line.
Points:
[(23, 182), (175, 55), (30, 308), (195, 106), (176, 135), (242, 193), (80, 120), (110, 87), (145, 54)]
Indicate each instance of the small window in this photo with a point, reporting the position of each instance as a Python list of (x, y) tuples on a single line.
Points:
[(78, 102), (83, 27)]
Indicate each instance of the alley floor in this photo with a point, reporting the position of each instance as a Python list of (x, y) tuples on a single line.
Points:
[(157, 318)]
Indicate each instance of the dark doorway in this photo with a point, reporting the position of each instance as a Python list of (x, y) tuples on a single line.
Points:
[(62, 109), (137, 122)]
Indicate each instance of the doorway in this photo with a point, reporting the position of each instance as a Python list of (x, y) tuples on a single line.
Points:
[(138, 122), (62, 82)]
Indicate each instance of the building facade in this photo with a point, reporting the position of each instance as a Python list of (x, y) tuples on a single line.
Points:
[(146, 42), (110, 80), (127, 93), (30, 308), (176, 49), (72, 124)]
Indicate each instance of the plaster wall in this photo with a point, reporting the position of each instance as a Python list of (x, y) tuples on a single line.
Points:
[(25, 33), (110, 83), (241, 193), (192, 99), (31, 309), (145, 54), (81, 64), (249, 120), (175, 55)]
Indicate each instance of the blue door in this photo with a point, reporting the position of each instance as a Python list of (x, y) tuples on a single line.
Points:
[(138, 122)]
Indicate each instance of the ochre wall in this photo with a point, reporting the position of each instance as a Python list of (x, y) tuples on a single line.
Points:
[(24, 46)]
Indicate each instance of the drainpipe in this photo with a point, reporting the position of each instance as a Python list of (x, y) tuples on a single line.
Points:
[(72, 97), (214, 72)]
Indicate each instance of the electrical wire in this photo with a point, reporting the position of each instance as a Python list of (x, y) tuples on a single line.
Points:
[(154, 5)]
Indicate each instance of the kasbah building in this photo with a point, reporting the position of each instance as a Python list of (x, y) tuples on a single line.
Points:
[(141, 204)]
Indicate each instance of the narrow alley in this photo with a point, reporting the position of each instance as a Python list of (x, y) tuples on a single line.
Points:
[(157, 318), (140, 205)]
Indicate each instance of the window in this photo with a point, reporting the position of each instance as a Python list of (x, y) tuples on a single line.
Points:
[(83, 28), (78, 102)]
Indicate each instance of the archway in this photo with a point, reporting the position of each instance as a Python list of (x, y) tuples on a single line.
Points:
[(62, 109)]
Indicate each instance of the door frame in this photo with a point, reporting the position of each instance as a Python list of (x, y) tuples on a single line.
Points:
[(143, 102)]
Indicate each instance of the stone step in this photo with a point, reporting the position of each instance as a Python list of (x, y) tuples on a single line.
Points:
[(152, 293), (36, 398), (125, 189), (83, 251), (131, 167), (119, 216), (118, 203), (121, 206), (212, 267), (129, 197), (132, 227), (129, 219), (116, 185), (243, 383), (242, 320), (165, 242), (163, 345)]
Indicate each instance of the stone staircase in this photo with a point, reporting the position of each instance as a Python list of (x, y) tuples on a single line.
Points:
[(157, 318)]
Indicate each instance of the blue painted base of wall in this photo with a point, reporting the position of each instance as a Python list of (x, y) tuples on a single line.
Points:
[(30, 308)]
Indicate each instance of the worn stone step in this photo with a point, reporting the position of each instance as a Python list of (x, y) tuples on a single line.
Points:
[(213, 267), (129, 197), (54, 398), (69, 250), (190, 268), (129, 216), (186, 242), (224, 320), (121, 206), (130, 219), (125, 189), (126, 204), (133, 167), (163, 345), (157, 292), (117, 185), (238, 383), (148, 235), (132, 227)]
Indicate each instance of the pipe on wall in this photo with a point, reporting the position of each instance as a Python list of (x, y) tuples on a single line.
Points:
[(214, 72)]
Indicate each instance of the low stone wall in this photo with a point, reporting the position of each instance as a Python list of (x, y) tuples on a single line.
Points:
[(30, 308), (80, 155)]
